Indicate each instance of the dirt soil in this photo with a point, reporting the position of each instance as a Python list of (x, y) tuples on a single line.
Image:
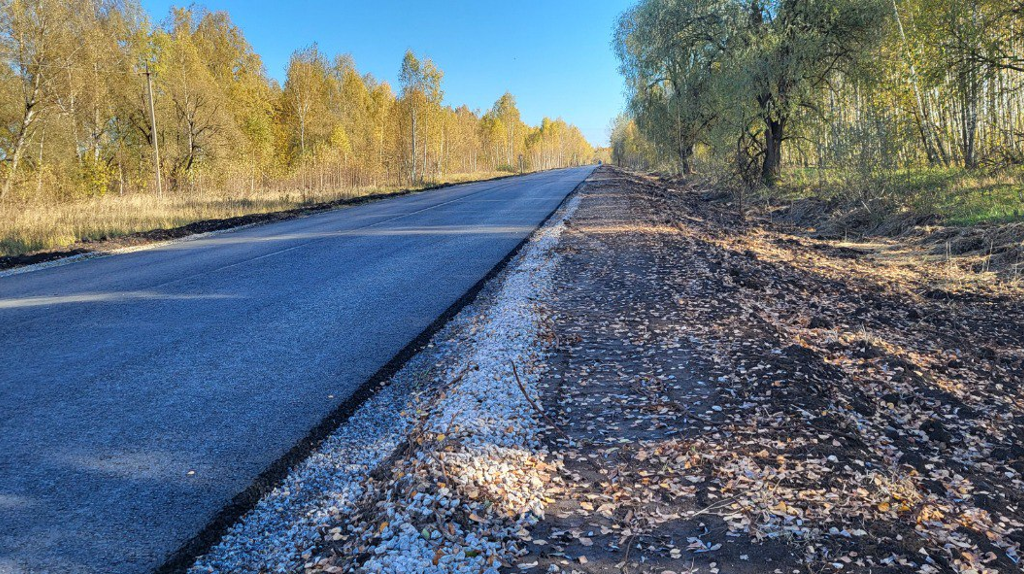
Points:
[(733, 396)]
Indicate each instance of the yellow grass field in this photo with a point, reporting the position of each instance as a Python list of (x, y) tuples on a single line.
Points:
[(29, 228)]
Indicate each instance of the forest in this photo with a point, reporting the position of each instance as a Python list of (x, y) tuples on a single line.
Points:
[(112, 123), (890, 103)]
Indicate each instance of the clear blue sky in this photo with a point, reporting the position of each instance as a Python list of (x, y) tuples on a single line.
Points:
[(554, 56)]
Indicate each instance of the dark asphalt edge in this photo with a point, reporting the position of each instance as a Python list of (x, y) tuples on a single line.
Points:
[(185, 556), (154, 236)]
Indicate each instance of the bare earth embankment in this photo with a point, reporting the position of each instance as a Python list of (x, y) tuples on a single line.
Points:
[(656, 386), (738, 398)]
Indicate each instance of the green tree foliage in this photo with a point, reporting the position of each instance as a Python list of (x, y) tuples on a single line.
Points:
[(761, 83), (75, 119), (671, 53)]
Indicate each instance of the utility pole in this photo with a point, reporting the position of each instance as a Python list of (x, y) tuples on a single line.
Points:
[(156, 144), (414, 143)]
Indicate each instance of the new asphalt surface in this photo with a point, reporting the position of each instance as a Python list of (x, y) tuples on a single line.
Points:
[(141, 392)]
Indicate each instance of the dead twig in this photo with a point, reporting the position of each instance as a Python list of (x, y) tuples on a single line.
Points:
[(536, 408), (713, 507)]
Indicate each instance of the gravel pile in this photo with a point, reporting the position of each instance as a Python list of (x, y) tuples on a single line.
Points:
[(458, 473), (473, 473)]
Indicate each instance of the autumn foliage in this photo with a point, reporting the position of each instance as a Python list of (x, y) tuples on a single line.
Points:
[(75, 120)]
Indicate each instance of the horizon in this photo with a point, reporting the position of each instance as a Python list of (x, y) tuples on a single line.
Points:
[(558, 68)]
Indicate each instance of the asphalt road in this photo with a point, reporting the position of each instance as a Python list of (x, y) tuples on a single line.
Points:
[(140, 392)]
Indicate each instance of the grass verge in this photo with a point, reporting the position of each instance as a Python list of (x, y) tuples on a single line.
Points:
[(954, 196)]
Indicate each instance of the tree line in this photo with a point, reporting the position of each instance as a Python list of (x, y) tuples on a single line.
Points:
[(759, 85), (92, 90)]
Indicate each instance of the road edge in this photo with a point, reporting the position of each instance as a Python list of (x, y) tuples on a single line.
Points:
[(180, 560)]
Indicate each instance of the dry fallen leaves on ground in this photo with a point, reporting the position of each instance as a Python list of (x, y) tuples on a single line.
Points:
[(732, 393)]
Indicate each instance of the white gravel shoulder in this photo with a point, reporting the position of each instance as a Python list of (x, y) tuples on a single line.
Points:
[(483, 440)]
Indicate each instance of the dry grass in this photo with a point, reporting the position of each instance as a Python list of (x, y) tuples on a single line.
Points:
[(33, 227)]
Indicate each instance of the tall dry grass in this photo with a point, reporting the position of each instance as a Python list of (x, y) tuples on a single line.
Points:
[(29, 227)]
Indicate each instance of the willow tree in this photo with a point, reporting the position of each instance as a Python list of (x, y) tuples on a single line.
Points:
[(787, 49), (669, 52), (773, 54)]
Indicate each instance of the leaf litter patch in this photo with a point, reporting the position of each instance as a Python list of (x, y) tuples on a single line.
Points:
[(731, 397)]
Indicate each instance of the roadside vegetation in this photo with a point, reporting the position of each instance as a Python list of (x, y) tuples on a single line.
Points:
[(111, 123), (890, 106), (99, 221), (961, 197)]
